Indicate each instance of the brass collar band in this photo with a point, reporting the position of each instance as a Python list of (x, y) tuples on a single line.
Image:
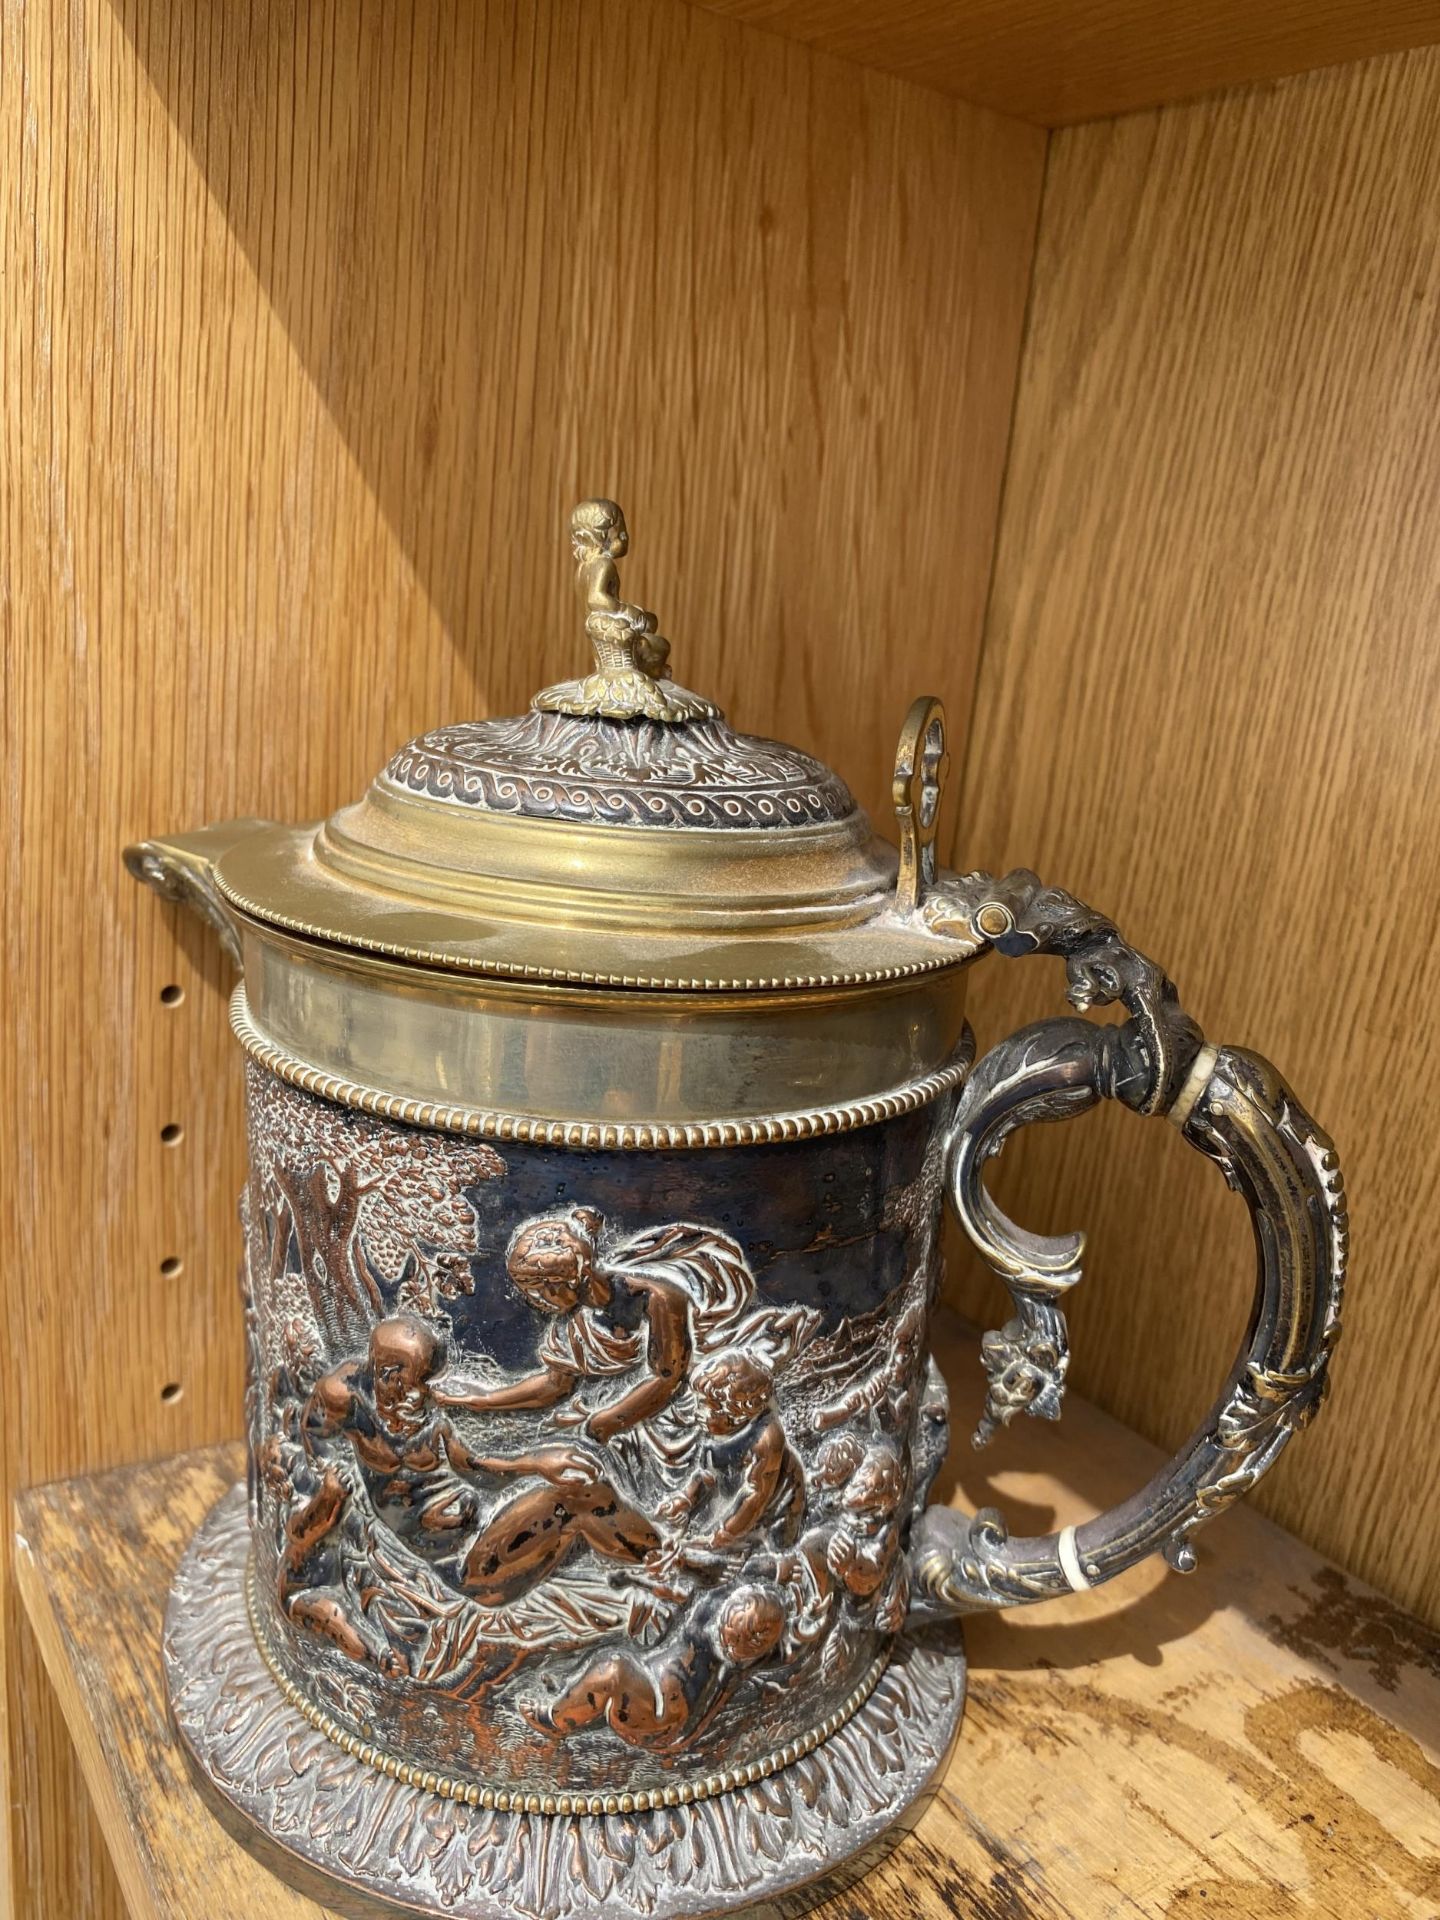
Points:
[(592, 1066), (801, 1123), (680, 1793)]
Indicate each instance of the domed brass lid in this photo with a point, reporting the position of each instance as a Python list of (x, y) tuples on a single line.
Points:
[(618, 834)]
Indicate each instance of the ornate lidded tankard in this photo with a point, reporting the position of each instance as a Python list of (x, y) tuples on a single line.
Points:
[(605, 1073)]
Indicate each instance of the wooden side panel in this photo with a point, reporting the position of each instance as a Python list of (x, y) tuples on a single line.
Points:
[(1059, 61), (315, 323), (1209, 705)]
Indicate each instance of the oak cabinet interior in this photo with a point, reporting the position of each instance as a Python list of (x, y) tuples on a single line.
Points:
[(1121, 437)]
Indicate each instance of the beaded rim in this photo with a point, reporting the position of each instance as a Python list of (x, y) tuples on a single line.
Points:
[(489, 1124), (951, 954), (505, 1800)]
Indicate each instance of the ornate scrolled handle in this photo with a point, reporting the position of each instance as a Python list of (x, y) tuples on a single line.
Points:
[(1237, 1110)]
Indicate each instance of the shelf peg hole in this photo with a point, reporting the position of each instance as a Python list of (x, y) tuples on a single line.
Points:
[(172, 1133), (172, 995), (172, 1266), (171, 1392)]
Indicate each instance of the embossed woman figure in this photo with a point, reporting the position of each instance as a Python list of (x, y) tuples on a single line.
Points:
[(598, 1329), (639, 1312)]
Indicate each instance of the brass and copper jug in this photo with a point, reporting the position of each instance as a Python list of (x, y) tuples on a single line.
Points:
[(605, 1072)]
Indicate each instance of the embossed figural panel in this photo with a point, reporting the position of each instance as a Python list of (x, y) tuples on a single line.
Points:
[(568, 1483)]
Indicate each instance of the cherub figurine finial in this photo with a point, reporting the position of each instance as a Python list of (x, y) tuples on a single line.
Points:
[(631, 680)]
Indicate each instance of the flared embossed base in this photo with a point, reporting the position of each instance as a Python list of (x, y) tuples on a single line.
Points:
[(366, 1844)]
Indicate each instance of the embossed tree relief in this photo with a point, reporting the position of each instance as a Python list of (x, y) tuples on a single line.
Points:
[(374, 1217)]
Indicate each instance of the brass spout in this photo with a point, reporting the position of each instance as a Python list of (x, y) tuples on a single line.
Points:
[(181, 866)]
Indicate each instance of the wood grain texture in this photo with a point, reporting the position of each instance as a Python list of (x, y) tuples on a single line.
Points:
[(1209, 706), (101, 1648), (1059, 61), (315, 322), (1258, 1742)]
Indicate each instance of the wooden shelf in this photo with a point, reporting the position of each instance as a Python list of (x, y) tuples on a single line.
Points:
[(1260, 1739), (1059, 61)]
